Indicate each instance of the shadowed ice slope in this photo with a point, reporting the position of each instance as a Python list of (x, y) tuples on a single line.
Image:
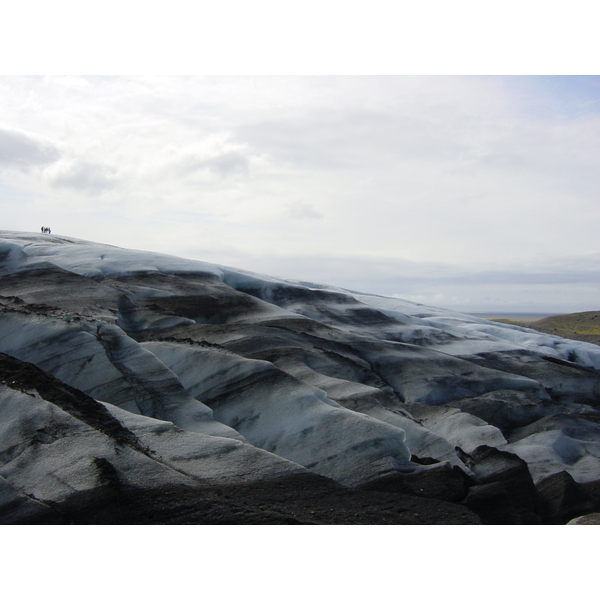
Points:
[(213, 374)]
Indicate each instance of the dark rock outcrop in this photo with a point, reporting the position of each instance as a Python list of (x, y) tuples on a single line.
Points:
[(502, 481), (561, 498)]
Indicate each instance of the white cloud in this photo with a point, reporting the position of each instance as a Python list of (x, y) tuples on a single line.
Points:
[(301, 210), (212, 160), (81, 176), (23, 150), (372, 174)]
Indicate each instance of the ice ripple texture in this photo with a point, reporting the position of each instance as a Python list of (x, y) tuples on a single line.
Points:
[(223, 375)]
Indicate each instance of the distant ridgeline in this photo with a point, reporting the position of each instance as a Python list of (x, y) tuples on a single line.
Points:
[(137, 387)]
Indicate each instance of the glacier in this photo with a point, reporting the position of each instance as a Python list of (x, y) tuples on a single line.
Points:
[(135, 381)]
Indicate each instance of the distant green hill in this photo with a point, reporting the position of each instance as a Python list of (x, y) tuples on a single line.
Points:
[(583, 326)]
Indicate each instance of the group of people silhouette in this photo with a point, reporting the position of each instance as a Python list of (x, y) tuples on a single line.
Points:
[(46, 230)]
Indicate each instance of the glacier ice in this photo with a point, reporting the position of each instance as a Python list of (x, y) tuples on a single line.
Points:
[(230, 375)]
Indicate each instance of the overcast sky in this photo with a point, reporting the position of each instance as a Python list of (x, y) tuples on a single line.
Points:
[(472, 193)]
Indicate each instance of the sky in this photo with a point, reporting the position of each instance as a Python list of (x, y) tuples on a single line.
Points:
[(477, 193)]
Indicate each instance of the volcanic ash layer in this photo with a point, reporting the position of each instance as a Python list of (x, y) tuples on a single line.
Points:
[(142, 388)]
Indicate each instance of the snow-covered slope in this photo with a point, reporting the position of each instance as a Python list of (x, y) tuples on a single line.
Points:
[(232, 376)]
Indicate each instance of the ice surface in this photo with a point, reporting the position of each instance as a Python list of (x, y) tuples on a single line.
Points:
[(473, 335), (228, 373), (108, 365), (282, 415), (93, 259)]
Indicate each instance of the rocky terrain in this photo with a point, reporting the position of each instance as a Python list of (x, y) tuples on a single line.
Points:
[(141, 388)]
